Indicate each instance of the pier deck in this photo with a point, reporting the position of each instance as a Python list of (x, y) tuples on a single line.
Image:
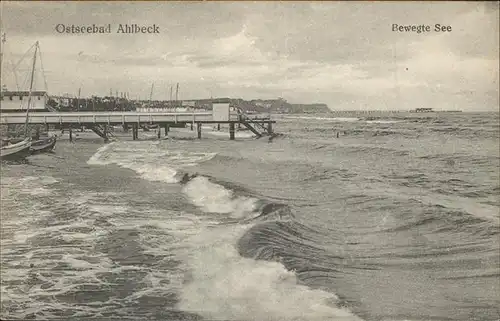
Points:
[(94, 120), (115, 117)]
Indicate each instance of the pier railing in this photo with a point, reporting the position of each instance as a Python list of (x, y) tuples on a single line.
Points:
[(109, 117)]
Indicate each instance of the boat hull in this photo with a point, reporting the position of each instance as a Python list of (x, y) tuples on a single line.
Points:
[(43, 145), (16, 151)]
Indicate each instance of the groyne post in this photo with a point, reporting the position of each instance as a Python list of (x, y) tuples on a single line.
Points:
[(70, 134), (166, 126), (198, 129), (269, 128), (159, 131), (231, 131)]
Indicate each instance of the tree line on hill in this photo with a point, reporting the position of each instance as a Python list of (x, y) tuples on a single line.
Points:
[(121, 104), (93, 104)]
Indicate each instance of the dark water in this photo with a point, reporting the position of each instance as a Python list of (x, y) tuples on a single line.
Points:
[(396, 219)]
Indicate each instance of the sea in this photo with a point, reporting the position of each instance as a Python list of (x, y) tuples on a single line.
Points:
[(364, 217)]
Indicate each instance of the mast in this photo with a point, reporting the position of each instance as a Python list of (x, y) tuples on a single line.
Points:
[(171, 88), (30, 92), (78, 101), (151, 94), (2, 50), (177, 93)]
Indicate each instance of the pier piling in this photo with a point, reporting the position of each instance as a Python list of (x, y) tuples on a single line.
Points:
[(269, 128), (166, 126), (231, 131), (106, 129), (70, 134), (135, 131), (198, 129)]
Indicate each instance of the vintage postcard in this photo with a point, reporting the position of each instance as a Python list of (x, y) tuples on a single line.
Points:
[(250, 161)]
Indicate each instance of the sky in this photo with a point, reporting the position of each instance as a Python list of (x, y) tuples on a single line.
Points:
[(343, 54)]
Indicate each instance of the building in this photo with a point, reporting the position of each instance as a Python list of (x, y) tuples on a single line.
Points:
[(188, 103), (17, 101)]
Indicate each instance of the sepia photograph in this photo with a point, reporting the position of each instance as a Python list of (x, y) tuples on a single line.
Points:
[(250, 161)]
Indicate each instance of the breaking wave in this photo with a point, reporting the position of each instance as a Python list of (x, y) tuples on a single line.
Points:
[(235, 266)]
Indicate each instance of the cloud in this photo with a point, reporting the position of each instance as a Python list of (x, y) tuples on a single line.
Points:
[(343, 54)]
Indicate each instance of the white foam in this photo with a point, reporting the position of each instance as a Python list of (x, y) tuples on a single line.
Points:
[(32, 185), (383, 121), (95, 159), (210, 131), (214, 198), (238, 134), (346, 119), (44, 180), (308, 117), (148, 159), (224, 285), (152, 172), (37, 266), (341, 119)]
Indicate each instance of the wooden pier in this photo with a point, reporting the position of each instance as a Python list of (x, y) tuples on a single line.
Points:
[(99, 121)]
